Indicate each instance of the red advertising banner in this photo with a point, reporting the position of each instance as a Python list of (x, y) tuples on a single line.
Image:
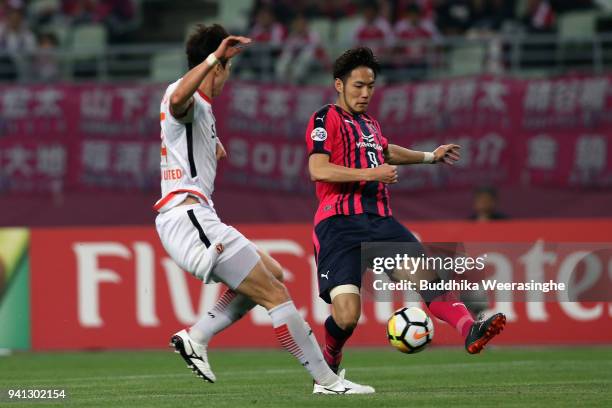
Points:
[(553, 132), (116, 288)]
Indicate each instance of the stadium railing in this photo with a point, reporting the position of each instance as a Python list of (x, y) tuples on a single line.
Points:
[(521, 55)]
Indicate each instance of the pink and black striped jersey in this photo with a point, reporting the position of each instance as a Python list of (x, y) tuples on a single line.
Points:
[(354, 141)]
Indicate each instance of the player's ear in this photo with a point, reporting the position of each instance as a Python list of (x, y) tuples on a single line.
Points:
[(339, 85)]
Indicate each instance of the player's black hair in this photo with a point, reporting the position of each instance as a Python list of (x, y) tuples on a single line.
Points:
[(355, 58), (204, 41)]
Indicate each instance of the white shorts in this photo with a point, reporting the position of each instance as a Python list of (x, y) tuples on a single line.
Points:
[(197, 240)]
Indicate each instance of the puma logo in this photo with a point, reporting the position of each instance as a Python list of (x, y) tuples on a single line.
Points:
[(320, 118), (326, 276)]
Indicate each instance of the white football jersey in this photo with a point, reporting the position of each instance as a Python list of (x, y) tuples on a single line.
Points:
[(188, 151)]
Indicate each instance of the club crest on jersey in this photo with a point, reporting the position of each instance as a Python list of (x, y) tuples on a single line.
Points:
[(318, 134), (367, 138)]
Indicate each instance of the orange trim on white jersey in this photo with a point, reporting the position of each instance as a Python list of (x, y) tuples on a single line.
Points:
[(205, 97), (163, 201)]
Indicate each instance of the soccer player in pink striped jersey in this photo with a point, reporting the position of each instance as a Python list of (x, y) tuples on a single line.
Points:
[(352, 163)]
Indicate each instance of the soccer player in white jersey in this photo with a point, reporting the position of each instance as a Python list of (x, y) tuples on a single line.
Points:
[(199, 242)]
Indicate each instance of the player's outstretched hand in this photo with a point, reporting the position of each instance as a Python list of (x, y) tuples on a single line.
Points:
[(385, 173), (231, 46), (447, 154)]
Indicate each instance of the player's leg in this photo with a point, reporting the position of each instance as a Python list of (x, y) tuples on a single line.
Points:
[(338, 249), (446, 306), (346, 310), (213, 251), (230, 307), (292, 331), (190, 235)]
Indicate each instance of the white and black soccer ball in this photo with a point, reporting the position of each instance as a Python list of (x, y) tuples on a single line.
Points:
[(410, 330)]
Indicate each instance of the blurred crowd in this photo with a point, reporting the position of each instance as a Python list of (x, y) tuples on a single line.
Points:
[(291, 42), (397, 30), (38, 27)]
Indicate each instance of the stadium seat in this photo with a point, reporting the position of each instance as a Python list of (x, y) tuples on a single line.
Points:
[(168, 65), (88, 41), (234, 15), (576, 32), (520, 8), (37, 7), (87, 46), (605, 5), (344, 32), (579, 25), (466, 60), (323, 27)]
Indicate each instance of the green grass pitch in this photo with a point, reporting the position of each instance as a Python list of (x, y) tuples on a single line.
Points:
[(437, 377)]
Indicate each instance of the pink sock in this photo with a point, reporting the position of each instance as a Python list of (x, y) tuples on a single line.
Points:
[(335, 337), (448, 308)]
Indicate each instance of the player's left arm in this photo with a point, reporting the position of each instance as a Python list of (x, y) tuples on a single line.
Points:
[(398, 155)]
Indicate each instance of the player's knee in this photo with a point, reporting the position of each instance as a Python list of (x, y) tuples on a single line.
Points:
[(347, 319)]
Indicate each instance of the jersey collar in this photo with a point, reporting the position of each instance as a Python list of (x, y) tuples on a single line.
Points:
[(206, 98)]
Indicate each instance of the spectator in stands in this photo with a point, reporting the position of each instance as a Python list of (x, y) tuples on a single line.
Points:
[(485, 205), (15, 36), (427, 8), (267, 30), (17, 42), (413, 42), (47, 66), (85, 11), (336, 9), (374, 31), (116, 15), (46, 14), (540, 17), (302, 51), (454, 17), (267, 35), (286, 10)]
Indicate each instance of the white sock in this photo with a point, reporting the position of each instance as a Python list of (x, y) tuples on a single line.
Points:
[(290, 329), (229, 308)]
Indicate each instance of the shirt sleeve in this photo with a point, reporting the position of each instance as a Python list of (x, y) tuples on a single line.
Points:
[(321, 132), (187, 116)]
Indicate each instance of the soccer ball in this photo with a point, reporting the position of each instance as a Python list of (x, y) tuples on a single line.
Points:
[(410, 330)]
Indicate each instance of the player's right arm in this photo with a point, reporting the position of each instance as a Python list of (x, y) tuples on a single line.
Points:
[(182, 97), (321, 169)]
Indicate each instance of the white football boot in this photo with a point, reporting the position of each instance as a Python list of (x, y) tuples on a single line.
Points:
[(194, 355), (342, 387)]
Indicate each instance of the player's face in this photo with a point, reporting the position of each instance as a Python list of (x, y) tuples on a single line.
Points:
[(221, 76), (358, 89)]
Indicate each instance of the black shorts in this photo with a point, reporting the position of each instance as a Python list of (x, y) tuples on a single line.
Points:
[(339, 247)]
